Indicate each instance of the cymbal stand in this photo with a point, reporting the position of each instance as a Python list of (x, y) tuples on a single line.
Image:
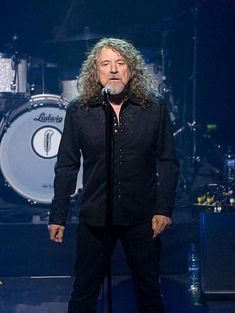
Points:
[(195, 157), (15, 67), (165, 87), (43, 76), (162, 87)]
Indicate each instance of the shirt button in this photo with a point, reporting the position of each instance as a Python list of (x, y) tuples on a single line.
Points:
[(115, 130)]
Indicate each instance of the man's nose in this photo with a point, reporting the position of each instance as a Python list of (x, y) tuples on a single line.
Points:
[(113, 68)]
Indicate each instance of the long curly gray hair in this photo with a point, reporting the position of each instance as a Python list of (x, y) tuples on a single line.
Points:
[(140, 84)]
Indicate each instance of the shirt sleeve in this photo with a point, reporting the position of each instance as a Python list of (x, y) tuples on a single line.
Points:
[(66, 169), (168, 166)]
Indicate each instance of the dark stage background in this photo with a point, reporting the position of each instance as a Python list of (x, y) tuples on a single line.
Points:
[(54, 35), (145, 24)]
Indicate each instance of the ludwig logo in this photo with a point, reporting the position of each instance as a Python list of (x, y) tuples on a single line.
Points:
[(48, 118), (45, 142)]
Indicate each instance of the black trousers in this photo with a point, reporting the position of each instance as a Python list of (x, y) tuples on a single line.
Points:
[(143, 257)]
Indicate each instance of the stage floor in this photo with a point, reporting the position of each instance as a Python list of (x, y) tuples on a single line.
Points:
[(47, 295)]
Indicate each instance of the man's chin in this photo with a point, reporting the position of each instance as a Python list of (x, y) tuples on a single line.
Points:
[(115, 90)]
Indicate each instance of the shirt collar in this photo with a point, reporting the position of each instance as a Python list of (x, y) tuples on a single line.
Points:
[(131, 98)]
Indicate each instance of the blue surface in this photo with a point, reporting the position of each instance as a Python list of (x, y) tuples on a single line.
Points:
[(27, 295)]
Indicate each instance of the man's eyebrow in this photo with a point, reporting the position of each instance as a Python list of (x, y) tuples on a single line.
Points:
[(103, 61), (106, 60)]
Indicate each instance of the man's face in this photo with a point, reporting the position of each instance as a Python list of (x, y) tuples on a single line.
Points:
[(112, 70)]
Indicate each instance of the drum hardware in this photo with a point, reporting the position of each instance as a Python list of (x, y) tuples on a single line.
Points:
[(194, 10), (15, 65), (32, 202), (229, 166), (86, 35), (60, 31), (194, 156), (216, 195), (164, 86), (38, 68), (13, 74), (192, 126)]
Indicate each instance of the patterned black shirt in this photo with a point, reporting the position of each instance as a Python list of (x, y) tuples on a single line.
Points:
[(142, 147)]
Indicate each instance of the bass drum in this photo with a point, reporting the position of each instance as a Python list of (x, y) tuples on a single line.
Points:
[(30, 137)]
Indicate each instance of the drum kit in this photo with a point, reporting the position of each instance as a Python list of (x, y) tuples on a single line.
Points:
[(30, 131), (32, 119), (219, 197), (32, 122)]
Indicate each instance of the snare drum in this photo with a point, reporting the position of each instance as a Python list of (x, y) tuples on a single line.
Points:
[(13, 74), (30, 137)]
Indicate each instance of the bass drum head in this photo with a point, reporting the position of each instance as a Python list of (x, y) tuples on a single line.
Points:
[(30, 140)]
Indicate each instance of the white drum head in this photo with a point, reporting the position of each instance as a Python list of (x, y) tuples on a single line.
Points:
[(29, 147)]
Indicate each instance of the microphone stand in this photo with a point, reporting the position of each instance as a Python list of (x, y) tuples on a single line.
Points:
[(109, 191)]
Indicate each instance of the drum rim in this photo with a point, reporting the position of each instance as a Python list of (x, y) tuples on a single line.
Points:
[(30, 104), (48, 96), (7, 55)]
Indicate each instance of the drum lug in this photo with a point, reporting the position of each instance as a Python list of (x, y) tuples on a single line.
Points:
[(31, 105), (13, 86), (61, 104), (31, 202), (6, 184), (5, 127)]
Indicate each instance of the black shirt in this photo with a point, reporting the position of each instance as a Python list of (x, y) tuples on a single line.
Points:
[(143, 145)]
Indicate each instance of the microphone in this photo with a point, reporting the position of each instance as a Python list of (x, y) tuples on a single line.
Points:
[(105, 91)]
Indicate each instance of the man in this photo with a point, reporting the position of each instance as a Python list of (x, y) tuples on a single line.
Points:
[(142, 146)]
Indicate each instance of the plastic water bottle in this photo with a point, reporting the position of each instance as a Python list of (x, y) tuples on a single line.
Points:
[(194, 286)]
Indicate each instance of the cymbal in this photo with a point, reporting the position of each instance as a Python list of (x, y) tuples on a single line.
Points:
[(85, 36), (39, 62), (166, 24)]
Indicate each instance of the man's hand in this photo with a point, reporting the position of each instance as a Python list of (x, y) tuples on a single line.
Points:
[(56, 232), (160, 223)]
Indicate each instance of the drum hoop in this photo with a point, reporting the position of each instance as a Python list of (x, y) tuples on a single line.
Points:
[(32, 104), (9, 56)]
